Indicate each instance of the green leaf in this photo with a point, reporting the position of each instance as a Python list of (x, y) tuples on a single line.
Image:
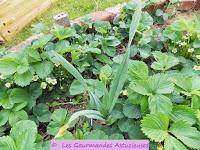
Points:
[(23, 79), (141, 87), (163, 61), (5, 101), (58, 120), (196, 44), (146, 20), (183, 82), (16, 116), (39, 43), (18, 95), (93, 50), (102, 26), (131, 111), (125, 124), (172, 143), (95, 135), (160, 84), (121, 74), (7, 143), (195, 102), (116, 136), (33, 54), (22, 130), (43, 69), (135, 132), (23, 66), (105, 73), (35, 92), (59, 115), (187, 134), (4, 114), (62, 33), (8, 66), (42, 112), (160, 103), (184, 113), (138, 70), (155, 126), (76, 88)]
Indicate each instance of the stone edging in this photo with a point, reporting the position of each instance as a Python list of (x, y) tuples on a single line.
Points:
[(110, 13)]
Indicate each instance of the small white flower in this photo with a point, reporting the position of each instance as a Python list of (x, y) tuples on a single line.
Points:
[(54, 82), (57, 64), (196, 67), (8, 85), (148, 28), (174, 50), (48, 80), (198, 56), (2, 77), (191, 50), (183, 43), (125, 93), (43, 85), (185, 37), (61, 87), (35, 78)]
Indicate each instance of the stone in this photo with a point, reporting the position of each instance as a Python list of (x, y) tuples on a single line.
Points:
[(159, 5), (25, 43), (186, 5), (102, 16), (62, 19), (115, 10)]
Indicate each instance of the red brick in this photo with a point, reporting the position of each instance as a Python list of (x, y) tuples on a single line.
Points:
[(102, 15), (197, 5), (186, 5), (159, 5), (98, 15)]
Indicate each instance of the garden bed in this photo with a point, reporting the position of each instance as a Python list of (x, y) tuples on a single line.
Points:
[(136, 77)]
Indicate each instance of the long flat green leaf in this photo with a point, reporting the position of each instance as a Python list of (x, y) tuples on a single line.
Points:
[(55, 57), (87, 113), (121, 75)]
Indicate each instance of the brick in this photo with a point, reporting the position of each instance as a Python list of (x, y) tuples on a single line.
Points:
[(62, 19), (186, 5), (197, 5), (154, 7), (96, 16), (102, 16)]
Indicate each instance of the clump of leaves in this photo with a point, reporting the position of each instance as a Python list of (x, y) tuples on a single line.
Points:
[(184, 40)]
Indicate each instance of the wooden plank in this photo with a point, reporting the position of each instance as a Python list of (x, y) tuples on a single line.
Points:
[(27, 12), (2, 40), (12, 14)]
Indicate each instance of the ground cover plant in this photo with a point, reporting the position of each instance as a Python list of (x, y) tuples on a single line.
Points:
[(128, 79)]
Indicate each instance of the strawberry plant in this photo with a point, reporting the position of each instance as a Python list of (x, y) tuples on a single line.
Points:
[(126, 79)]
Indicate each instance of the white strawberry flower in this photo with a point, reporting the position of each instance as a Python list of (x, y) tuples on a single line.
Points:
[(43, 85), (8, 85)]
